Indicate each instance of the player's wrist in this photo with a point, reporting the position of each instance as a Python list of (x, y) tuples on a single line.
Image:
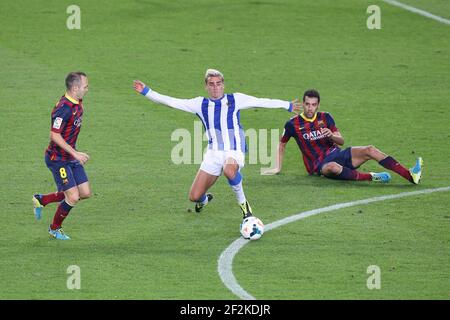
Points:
[(291, 106), (145, 91)]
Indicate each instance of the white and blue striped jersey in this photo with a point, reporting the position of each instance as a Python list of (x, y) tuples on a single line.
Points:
[(221, 117)]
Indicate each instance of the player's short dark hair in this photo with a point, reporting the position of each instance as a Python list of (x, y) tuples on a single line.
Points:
[(311, 93), (74, 78)]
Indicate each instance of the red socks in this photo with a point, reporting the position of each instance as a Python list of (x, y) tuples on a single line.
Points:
[(349, 174), (51, 197), (388, 162), (63, 208), (363, 176), (61, 213), (392, 164)]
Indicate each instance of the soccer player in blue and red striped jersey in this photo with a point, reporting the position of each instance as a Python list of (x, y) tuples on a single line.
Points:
[(319, 141), (62, 158)]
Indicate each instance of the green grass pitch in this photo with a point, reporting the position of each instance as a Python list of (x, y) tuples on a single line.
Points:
[(134, 239)]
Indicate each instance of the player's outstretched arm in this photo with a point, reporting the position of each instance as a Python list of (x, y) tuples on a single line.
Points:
[(245, 101), (188, 105)]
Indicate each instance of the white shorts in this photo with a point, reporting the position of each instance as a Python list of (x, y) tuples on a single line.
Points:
[(214, 160)]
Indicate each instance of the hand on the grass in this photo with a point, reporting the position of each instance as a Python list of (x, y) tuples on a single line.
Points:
[(270, 171)]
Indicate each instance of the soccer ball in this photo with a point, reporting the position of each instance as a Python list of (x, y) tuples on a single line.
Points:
[(252, 228)]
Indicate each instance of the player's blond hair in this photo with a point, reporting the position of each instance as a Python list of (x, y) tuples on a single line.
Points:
[(213, 73)]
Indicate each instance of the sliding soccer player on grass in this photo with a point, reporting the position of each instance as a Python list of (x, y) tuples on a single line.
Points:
[(319, 139), (220, 115)]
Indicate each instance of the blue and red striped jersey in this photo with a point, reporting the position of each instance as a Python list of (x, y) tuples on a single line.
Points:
[(312, 143), (66, 120)]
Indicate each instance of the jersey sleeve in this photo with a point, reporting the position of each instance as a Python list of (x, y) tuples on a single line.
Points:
[(287, 132), (188, 105), (330, 122), (244, 101), (60, 117)]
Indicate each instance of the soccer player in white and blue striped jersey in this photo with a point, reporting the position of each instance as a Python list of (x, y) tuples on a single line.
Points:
[(220, 115)]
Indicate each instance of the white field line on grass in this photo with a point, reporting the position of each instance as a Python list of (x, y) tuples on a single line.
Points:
[(418, 11), (225, 262)]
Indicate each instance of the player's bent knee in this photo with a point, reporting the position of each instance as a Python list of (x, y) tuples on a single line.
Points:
[(86, 195), (331, 169), (229, 172), (194, 196), (372, 151), (72, 199)]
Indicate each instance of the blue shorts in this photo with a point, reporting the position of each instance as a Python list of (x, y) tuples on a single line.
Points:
[(67, 174), (342, 157)]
